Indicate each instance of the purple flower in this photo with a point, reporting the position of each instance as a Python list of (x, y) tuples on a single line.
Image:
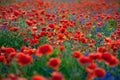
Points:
[(3, 27)]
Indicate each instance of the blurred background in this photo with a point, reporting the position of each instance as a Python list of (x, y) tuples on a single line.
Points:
[(6, 2)]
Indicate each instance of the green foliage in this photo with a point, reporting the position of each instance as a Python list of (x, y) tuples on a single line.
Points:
[(11, 39)]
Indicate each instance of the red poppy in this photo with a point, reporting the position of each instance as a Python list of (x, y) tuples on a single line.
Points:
[(92, 66), (102, 50), (108, 40), (54, 63), (62, 30), (84, 60), (34, 41), (91, 76), (99, 35), (45, 49), (113, 62), (52, 26), (76, 54), (2, 49), (94, 56), (12, 76), (60, 36), (9, 50), (29, 51), (24, 59), (29, 23), (23, 48), (16, 12), (14, 29), (34, 29), (106, 57), (99, 72), (38, 77), (99, 24), (57, 76), (62, 48), (2, 58), (12, 55)]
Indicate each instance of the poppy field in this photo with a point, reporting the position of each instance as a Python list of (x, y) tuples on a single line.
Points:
[(59, 40)]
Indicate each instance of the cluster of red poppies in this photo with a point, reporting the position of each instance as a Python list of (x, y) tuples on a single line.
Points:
[(75, 23)]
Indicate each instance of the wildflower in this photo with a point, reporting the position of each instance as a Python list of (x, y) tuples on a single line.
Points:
[(9, 50), (45, 49), (2, 58), (54, 63), (99, 72), (113, 62), (38, 77), (106, 57), (57, 76), (102, 50), (29, 23), (84, 60), (16, 12), (62, 48), (76, 54), (24, 59)]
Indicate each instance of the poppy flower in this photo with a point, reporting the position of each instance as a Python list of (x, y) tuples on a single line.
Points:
[(60, 36), (12, 76), (24, 59), (34, 41), (76, 54), (23, 48), (34, 29), (38, 77), (3, 49), (57, 76), (9, 50), (84, 60), (12, 54), (102, 50), (99, 35), (106, 57), (29, 23), (83, 40), (62, 30), (45, 49), (52, 26), (91, 76), (99, 72), (14, 29), (92, 66), (99, 24), (95, 56), (113, 62), (16, 12), (2, 58), (54, 63), (108, 40), (29, 51), (43, 29), (19, 78), (62, 48)]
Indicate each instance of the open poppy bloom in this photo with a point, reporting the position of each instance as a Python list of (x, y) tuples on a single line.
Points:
[(76, 54), (24, 59), (57, 76), (2, 58), (54, 63), (38, 77), (84, 60), (113, 62), (99, 72), (45, 49)]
